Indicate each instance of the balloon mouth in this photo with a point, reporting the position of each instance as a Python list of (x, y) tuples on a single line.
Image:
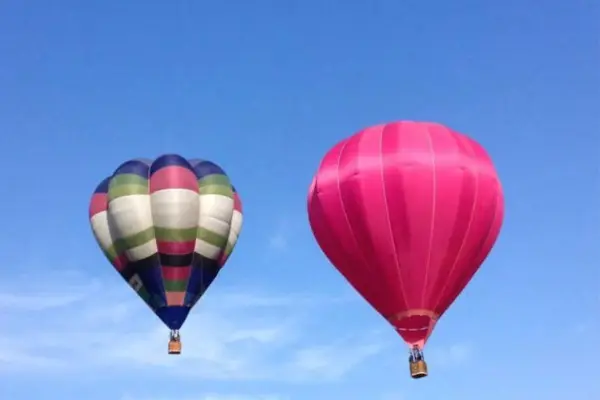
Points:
[(415, 326)]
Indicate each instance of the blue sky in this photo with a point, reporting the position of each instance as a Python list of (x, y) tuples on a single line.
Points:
[(264, 88)]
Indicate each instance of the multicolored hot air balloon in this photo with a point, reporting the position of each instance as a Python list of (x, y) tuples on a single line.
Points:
[(407, 212), (168, 227)]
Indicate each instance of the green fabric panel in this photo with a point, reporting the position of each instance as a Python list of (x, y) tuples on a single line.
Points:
[(143, 293), (217, 189), (214, 179), (228, 249), (175, 235), (132, 241), (126, 190), (176, 286), (128, 179), (110, 253), (211, 238)]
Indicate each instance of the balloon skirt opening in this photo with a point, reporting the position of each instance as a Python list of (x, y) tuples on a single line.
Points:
[(415, 329)]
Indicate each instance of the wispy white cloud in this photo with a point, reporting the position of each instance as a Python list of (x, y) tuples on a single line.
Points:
[(213, 396), (243, 397), (281, 235), (392, 396), (451, 356), (584, 326), (329, 362), (278, 241), (36, 296), (35, 301), (231, 335)]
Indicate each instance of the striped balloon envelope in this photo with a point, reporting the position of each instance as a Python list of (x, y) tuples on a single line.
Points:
[(167, 226)]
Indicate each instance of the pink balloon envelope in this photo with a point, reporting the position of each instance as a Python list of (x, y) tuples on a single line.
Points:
[(407, 212)]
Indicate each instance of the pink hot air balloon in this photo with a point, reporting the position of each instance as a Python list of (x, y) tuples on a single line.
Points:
[(407, 212)]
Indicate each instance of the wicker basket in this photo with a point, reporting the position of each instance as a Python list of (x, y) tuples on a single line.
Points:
[(418, 369), (174, 347)]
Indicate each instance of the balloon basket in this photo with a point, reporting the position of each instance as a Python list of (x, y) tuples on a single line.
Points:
[(174, 347), (418, 369)]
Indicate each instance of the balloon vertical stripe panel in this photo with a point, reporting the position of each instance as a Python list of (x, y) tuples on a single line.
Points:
[(474, 227), (462, 274), (130, 218), (175, 211), (100, 226), (236, 227), (98, 214), (99, 220), (216, 211)]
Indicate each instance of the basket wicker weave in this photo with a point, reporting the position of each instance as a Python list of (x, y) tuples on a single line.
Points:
[(174, 347), (418, 369)]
